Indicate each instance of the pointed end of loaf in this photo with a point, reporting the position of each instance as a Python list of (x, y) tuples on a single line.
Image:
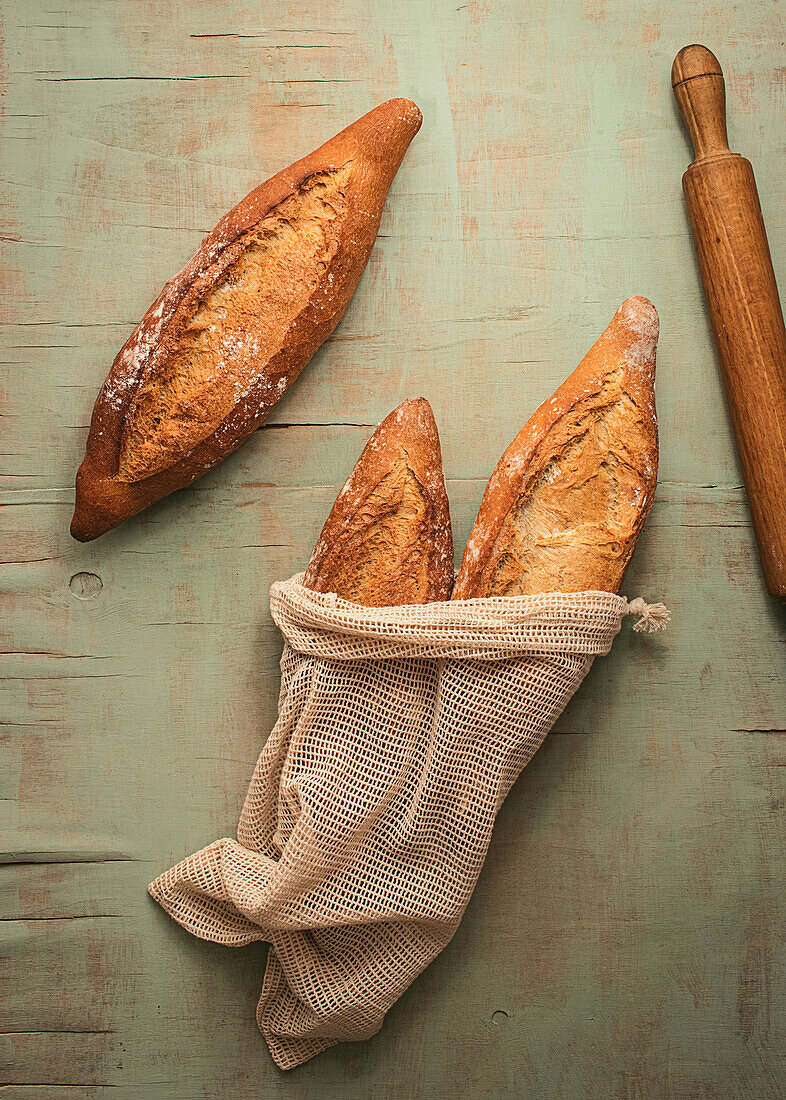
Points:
[(82, 525), (412, 428), (383, 136), (83, 520), (88, 522), (101, 504), (638, 325), (412, 417), (402, 115), (638, 314), (388, 537), (630, 341)]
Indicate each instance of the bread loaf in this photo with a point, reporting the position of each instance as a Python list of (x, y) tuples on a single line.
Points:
[(388, 538), (226, 337), (565, 505)]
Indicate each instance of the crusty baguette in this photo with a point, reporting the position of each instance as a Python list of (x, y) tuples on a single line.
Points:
[(388, 538), (226, 337), (565, 505)]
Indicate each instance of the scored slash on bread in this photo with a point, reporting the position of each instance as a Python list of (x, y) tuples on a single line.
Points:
[(227, 336), (388, 540), (567, 500)]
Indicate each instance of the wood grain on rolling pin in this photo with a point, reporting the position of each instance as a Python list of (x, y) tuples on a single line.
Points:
[(742, 298)]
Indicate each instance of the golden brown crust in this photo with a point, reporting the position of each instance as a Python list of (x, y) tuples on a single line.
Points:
[(565, 504), (233, 320), (387, 540), (142, 447)]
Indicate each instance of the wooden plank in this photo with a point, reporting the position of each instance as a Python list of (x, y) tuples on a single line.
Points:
[(624, 937)]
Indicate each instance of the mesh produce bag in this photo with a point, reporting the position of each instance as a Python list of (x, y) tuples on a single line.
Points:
[(400, 731)]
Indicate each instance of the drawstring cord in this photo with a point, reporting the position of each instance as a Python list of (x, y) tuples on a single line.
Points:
[(652, 616)]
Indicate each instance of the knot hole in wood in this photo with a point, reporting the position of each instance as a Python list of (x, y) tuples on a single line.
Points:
[(85, 586)]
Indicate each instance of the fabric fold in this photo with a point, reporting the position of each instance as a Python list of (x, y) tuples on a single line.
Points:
[(400, 731)]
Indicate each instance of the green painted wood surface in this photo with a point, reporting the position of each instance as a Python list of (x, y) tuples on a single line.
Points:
[(625, 940)]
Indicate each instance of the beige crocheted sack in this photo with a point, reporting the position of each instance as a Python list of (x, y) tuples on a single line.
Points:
[(400, 731)]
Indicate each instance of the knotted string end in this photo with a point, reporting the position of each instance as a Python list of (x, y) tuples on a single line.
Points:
[(652, 616)]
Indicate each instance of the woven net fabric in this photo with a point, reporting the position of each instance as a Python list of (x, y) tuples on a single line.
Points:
[(400, 731)]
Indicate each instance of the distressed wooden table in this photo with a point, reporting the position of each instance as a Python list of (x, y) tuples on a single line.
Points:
[(625, 938)]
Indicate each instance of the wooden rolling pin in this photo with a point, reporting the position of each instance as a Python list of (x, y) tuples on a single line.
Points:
[(742, 298)]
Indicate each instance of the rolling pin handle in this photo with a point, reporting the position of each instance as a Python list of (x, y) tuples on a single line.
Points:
[(700, 91)]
